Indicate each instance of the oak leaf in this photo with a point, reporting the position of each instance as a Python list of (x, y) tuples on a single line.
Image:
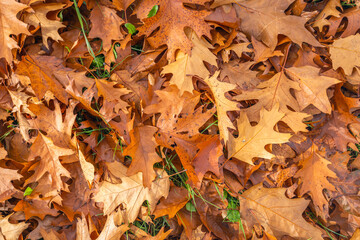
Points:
[(356, 235), (252, 140), (87, 168), (122, 4), (105, 25), (186, 65), (344, 53), (312, 87), (351, 17), (49, 163), (346, 184), (233, 69), (6, 187), (49, 28), (143, 154), (82, 230), (208, 157), (278, 214), (131, 194), (56, 127), (313, 175), (35, 208), (276, 90), (336, 129), (38, 69), (112, 94), (111, 231), (10, 25), (10, 231), (223, 105), (176, 200), (330, 9), (263, 52), (211, 214), (179, 125), (172, 18), (265, 20)]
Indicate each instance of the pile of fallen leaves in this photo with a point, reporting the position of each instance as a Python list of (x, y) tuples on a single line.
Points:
[(179, 119)]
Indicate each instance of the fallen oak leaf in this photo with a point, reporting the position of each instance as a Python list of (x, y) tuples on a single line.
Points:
[(142, 151), (313, 175), (345, 54), (252, 140), (223, 105), (11, 231), (331, 9), (49, 161), (179, 125), (105, 25), (265, 20), (172, 18), (111, 231), (176, 200), (275, 212), (131, 194), (10, 25), (6, 187), (312, 87), (38, 18), (208, 156), (188, 65), (35, 208), (42, 76)]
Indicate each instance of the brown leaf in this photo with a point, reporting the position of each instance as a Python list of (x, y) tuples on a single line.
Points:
[(223, 105), (207, 158), (278, 214), (331, 9), (175, 201), (38, 18), (266, 19), (130, 194), (122, 4), (276, 90), (10, 25), (105, 25), (38, 69), (344, 53), (188, 65), (111, 231), (313, 87), (35, 207), (6, 188), (82, 230), (56, 127), (233, 69), (351, 17), (49, 163), (179, 125), (211, 215), (143, 154), (314, 179), (10, 231), (253, 139), (336, 129), (172, 18)]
